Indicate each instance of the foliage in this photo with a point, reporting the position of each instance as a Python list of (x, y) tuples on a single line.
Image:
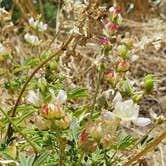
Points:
[(58, 117)]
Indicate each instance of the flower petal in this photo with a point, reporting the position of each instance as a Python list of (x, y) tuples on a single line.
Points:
[(142, 121), (61, 97)]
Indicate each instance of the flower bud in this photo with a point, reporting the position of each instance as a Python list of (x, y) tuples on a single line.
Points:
[(125, 88), (123, 51), (112, 27), (105, 41), (86, 144), (111, 76), (65, 122), (51, 111), (148, 83), (42, 124), (123, 66), (96, 132)]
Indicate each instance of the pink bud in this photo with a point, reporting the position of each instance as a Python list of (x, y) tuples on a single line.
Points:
[(105, 21), (83, 136), (123, 66), (105, 41), (112, 27), (111, 74), (117, 10), (45, 110)]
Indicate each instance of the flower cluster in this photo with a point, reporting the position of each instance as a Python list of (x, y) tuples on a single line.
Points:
[(102, 131), (32, 39), (37, 25), (52, 114)]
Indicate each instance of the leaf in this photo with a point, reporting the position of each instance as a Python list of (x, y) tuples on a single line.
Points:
[(77, 93), (74, 128), (31, 160), (126, 142), (41, 159), (80, 112), (22, 158)]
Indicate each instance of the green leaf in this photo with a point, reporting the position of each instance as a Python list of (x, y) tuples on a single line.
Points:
[(74, 128), (39, 161), (31, 160), (23, 159), (77, 93), (126, 142)]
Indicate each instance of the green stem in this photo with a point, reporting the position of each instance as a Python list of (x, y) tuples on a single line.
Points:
[(20, 132), (96, 92), (61, 49), (80, 159)]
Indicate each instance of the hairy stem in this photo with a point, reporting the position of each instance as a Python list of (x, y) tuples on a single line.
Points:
[(61, 49)]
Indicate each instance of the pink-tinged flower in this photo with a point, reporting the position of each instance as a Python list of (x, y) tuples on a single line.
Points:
[(105, 21), (123, 66), (117, 10), (111, 76), (112, 27), (83, 137), (45, 110), (65, 122), (105, 41), (52, 111)]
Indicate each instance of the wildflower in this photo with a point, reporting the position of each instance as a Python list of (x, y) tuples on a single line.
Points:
[(3, 50), (95, 131), (111, 76), (105, 41), (112, 27), (128, 112), (38, 25), (42, 124), (54, 110), (61, 97), (86, 144), (65, 122), (32, 39), (123, 66), (33, 97), (123, 51), (117, 10)]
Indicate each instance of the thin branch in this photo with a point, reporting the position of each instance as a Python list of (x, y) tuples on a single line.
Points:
[(61, 49), (42, 10), (20, 7), (20, 132), (31, 8), (146, 150)]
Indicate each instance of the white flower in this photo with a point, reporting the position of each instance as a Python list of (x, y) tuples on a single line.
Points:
[(42, 27), (134, 58), (3, 50), (117, 98), (140, 121), (33, 97), (61, 97), (32, 39), (38, 25), (126, 110)]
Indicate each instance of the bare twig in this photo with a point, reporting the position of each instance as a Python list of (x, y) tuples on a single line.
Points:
[(146, 150)]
